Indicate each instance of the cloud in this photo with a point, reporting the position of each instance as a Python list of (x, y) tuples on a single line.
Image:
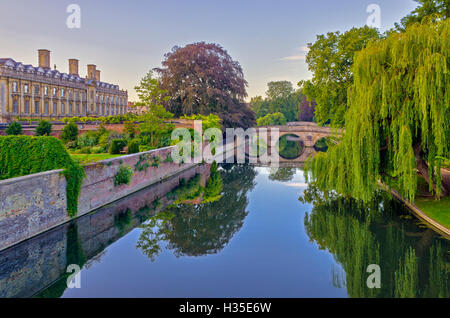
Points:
[(294, 58), (298, 57)]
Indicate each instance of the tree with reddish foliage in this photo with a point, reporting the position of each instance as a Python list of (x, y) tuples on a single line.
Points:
[(307, 109), (201, 78)]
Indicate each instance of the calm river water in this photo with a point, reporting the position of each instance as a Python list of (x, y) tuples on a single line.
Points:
[(256, 240)]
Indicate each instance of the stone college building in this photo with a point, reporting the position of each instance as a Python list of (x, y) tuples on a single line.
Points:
[(42, 93)]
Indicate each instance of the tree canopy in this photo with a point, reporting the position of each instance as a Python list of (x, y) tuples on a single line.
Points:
[(398, 121), (202, 78), (330, 60), (425, 9), (281, 97)]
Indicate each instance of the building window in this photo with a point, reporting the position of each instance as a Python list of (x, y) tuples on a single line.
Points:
[(25, 88), (46, 90), (63, 108), (46, 108), (15, 87), (54, 91), (70, 108), (55, 108), (36, 107), (27, 107), (15, 106), (63, 92), (36, 89)]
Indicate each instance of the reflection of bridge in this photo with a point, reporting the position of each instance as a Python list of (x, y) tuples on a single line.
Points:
[(306, 133)]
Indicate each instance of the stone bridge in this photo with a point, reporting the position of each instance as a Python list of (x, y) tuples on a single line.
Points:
[(306, 133)]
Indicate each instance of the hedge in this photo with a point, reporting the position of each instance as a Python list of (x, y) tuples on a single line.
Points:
[(25, 155)]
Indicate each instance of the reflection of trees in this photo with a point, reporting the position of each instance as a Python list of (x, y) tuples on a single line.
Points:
[(195, 230), (358, 236), (289, 149), (282, 174)]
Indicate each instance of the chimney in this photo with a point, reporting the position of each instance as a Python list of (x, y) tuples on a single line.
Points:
[(73, 67), (44, 58), (91, 71), (97, 75)]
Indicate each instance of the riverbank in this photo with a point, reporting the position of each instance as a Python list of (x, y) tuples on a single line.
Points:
[(435, 225)]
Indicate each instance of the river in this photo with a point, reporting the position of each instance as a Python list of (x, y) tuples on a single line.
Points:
[(254, 232)]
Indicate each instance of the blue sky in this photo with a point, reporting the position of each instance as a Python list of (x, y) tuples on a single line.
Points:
[(127, 38)]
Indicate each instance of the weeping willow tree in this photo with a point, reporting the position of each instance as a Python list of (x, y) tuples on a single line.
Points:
[(398, 121)]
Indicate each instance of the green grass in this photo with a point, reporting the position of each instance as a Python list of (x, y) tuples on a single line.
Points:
[(90, 158), (437, 210)]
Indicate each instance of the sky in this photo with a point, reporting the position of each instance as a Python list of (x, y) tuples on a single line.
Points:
[(125, 39)]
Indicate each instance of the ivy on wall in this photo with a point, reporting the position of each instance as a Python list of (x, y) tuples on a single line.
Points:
[(25, 155)]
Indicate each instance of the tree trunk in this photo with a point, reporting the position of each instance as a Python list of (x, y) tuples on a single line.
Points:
[(422, 168)]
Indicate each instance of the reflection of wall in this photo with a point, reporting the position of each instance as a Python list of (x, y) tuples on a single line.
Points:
[(36, 203), (28, 267)]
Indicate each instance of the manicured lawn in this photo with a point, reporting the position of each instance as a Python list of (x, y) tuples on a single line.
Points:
[(89, 158), (437, 210)]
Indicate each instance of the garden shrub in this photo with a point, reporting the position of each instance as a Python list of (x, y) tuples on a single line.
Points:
[(116, 146), (25, 155), (15, 128), (133, 146), (144, 148), (88, 139), (44, 128), (97, 149), (123, 176), (85, 150), (69, 132)]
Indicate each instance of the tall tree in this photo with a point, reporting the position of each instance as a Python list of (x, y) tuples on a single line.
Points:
[(398, 122), (330, 59), (201, 78), (152, 96), (425, 8), (280, 89)]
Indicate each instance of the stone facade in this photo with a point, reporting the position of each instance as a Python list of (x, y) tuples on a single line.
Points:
[(42, 93)]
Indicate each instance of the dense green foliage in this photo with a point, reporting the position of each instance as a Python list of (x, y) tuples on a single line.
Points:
[(25, 155), (330, 59), (44, 128), (426, 8), (281, 97), (398, 121), (69, 132), (123, 175), (117, 146), (133, 146), (209, 121), (14, 129), (275, 119)]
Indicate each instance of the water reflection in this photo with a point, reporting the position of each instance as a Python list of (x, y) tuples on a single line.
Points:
[(201, 229), (198, 217), (414, 262)]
